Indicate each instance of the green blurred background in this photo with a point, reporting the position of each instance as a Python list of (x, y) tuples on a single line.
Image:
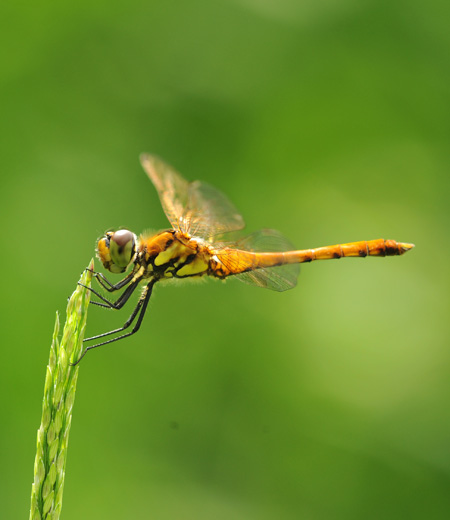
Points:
[(326, 120)]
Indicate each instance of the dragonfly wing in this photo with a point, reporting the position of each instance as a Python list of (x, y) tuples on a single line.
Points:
[(211, 213), (191, 207), (171, 187), (279, 278)]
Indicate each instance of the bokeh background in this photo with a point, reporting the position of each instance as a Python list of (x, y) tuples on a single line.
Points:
[(326, 120)]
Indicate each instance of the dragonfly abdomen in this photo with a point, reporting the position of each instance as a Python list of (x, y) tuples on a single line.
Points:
[(235, 261), (379, 247)]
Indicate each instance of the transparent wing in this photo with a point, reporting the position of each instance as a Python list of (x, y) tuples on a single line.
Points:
[(171, 187), (210, 213), (280, 278), (191, 207)]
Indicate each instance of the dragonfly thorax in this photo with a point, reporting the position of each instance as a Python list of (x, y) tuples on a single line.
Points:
[(171, 254)]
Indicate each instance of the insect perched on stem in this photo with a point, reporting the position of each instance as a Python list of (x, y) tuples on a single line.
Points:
[(193, 247)]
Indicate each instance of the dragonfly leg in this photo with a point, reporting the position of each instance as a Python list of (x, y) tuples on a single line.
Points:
[(111, 287), (131, 318), (120, 302), (106, 284), (140, 308)]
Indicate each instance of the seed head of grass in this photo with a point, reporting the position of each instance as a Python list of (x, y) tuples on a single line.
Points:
[(59, 396)]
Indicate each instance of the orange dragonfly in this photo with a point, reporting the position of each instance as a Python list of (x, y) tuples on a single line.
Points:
[(200, 216)]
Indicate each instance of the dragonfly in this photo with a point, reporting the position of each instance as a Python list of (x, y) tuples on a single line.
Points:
[(201, 218)]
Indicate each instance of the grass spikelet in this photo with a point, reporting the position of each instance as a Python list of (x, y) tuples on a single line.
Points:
[(59, 396)]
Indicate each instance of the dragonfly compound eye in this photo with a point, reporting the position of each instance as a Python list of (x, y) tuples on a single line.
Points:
[(117, 249)]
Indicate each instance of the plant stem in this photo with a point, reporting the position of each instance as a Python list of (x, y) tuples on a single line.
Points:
[(59, 396)]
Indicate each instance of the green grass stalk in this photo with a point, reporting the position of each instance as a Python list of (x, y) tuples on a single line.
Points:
[(59, 396)]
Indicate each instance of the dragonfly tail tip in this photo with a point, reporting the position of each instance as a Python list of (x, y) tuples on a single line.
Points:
[(404, 247)]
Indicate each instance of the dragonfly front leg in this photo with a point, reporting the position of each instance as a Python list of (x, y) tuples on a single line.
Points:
[(106, 284), (109, 286), (120, 302), (141, 306)]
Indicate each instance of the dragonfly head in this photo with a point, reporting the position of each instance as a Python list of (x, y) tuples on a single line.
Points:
[(117, 249)]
